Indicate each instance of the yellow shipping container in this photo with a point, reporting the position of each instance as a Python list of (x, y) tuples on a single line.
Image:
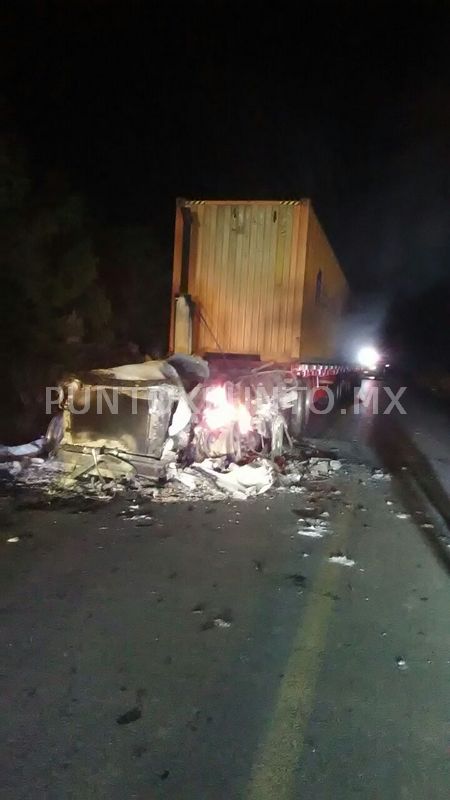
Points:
[(261, 280)]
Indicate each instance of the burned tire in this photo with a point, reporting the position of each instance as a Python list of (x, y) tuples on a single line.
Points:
[(300, 412)]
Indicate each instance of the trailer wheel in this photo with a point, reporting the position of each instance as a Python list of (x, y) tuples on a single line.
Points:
[(300, 412), (309, 399)]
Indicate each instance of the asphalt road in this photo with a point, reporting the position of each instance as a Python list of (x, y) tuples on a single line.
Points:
[(214, 653)]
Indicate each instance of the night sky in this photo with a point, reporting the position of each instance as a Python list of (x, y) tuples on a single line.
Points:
[(348, 103)]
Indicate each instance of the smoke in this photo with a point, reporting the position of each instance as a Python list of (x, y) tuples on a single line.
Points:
[(363, 325)]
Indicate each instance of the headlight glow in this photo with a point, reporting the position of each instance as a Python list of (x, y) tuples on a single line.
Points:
[(368, 357)]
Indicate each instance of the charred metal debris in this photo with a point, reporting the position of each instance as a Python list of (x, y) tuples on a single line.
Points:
[(168, 427)]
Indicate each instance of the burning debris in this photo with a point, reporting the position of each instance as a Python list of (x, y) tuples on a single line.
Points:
[(163, 430)]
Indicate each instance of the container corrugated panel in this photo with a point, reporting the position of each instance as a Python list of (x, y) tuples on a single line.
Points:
[(263, 276), (325, 296), (246, 272)]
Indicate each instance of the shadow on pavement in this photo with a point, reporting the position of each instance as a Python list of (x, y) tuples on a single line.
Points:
[(396, 450)]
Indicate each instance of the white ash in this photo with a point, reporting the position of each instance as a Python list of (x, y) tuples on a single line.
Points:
[(379, 475), (343, 560), (313, 533), (219, 622)]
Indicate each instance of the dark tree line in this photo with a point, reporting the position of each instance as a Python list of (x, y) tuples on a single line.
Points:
[(51, 289), (74, 293)]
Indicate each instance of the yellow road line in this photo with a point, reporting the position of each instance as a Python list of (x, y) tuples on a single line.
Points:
[(278, 757)]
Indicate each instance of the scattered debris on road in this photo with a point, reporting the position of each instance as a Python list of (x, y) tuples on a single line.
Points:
[(240, 482), (379, 475), (318, 467), (224, 619), (314, 532), (339, 558), (219, 622), (211, 479), (314, 527), (130, 716)]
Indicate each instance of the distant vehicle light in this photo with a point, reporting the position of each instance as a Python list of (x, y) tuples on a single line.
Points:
[(368, 357)]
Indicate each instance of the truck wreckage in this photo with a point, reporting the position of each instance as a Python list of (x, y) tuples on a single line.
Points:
[(258, 296), (160, 421), (131, 419)]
